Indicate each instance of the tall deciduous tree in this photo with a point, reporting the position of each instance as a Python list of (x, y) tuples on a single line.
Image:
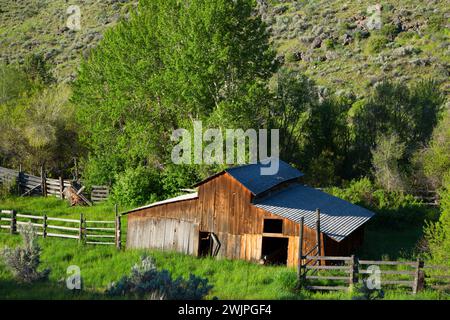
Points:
[(172, 62)]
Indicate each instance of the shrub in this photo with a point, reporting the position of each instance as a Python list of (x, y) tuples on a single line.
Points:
[(434, 158), (176, 177), (394, 209), (136, 186), (390, 31), (438, 234), (24, 261), (357, 191), (376, 43), (386, 156), (7, 189), (329, 44), (146, 282)]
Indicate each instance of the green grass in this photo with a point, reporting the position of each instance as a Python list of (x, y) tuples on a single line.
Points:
[(386, 243), (56, 208), (102, 265)]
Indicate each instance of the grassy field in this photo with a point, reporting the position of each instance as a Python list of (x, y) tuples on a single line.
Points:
[(101, 265)]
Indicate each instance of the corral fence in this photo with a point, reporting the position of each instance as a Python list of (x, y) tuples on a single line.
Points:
[(85, 231), (340, 273), (30, 185), (428, 197), (99, 193)]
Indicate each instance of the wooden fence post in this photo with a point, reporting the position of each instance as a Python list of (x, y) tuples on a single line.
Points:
[(44, 227), (81, 232), (118, 227), (319, 251), (61, 188), (19, 180), (419, 277), (300, 252), (13, 228), (353, 271), (43, 182)]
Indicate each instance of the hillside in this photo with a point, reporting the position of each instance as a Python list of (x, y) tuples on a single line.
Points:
[(328, 40), (39, 26)]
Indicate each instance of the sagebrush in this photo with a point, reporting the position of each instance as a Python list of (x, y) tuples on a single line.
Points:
[(147, 282), (23, 261)]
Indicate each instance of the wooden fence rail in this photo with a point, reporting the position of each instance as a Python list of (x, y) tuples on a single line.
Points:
[(347, 271), (29, 185), (79, 229)]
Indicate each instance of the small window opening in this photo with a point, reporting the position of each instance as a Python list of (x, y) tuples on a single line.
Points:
[(273, 226)]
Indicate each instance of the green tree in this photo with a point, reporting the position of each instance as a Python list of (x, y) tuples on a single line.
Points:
[(39, 130), (438, 234), (385, 160), (433, 161), (172, 62), (295, 96), (393, 108), (328, 138)]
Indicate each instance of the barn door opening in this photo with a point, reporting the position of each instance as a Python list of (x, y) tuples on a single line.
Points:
[(274, 250), (209, 244)]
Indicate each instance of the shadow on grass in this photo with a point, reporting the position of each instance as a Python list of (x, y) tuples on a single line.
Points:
[(12, 290), (390, 243)]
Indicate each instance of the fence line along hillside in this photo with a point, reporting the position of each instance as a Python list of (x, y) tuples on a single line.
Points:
[(83, 230), (30, 185)]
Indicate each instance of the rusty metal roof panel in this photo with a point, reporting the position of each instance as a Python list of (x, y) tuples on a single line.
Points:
[(338, 218), (251, 178)]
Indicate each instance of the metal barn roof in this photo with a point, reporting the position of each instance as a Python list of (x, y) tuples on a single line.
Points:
[(338, 217), (250, 176)]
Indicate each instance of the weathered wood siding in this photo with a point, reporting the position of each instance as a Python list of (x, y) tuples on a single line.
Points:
[(223, 207), (163, 234)]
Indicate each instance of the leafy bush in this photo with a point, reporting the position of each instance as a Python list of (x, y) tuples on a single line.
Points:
[(7, 189), (146, 282), (390, 31), (435, 158), (176, 177), (393, 209), (376, 43), (329, 44), (24, 261), (136, 186), (385, 160), (438, 234)]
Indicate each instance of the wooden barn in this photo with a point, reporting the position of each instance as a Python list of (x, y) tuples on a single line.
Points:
[(241, 214)]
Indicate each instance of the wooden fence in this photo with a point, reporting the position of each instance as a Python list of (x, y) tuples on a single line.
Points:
[(29, 185), (99, 193), (340, 273), (83, 230)]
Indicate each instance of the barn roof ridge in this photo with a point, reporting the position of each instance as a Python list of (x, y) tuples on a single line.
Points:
[(249, 175)]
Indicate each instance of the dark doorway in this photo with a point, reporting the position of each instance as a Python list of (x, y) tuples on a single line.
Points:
[(274, 250), (205, 244)]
